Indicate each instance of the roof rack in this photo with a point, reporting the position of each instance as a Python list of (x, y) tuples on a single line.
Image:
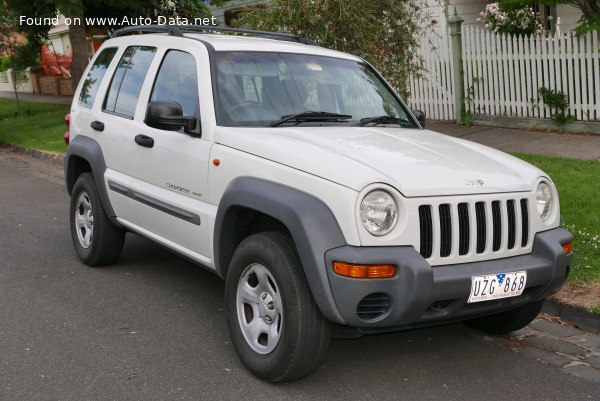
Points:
[(179, 30)]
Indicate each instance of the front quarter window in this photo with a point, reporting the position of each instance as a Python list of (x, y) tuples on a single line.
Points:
[(256, 89)]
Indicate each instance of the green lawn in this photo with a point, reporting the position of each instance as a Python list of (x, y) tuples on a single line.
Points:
[(33, 125), (578, 184), (41, 126)]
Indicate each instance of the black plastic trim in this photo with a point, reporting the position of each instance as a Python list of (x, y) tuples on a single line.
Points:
[(416, 285), (120, 189), (155, 203), (312, 225), (166, 208), (179, 30), (89, 150)]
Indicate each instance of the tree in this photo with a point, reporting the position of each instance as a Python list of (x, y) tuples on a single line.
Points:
[(385, 33), (79, 10), (8, 43)]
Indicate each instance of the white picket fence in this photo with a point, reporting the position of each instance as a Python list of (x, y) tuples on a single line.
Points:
[(502, 75), (434, 92)]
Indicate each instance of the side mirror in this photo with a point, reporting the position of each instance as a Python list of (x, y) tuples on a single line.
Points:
[(169, 116), (420, 116)]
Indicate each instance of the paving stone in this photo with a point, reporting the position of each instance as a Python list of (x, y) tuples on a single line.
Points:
[(545, 356), (584, 372), (524, 332), (555, 329), (594, 361), (554, 344), (587, 341), (592, 341)]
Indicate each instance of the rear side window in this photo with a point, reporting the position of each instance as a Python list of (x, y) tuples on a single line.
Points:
[(94, 77), (127, 82)]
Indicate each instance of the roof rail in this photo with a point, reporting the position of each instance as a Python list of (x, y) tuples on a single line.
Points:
[(172, 30), (178, 30)]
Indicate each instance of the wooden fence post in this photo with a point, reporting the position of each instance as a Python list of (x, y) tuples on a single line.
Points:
[(455, 22)]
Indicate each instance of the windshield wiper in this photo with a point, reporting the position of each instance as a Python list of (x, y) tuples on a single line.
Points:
[(382, 120), (311, 116)]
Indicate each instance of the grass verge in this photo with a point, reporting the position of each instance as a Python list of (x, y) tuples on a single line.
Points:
[(34, 125), (578, 186)]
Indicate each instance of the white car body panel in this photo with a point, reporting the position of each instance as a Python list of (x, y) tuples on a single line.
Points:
[(337, 164)]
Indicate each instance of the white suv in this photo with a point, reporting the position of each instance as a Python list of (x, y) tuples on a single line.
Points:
[(300, 177)]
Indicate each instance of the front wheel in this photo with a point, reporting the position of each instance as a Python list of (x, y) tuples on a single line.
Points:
[(275, 326), (511, 320)]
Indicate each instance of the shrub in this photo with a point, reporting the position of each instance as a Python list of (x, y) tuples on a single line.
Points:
[(518, 21)]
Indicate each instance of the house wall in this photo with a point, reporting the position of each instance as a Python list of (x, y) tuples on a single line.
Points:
[(569, 17)]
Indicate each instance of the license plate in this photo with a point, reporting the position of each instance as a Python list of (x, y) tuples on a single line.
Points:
[(496, 286)]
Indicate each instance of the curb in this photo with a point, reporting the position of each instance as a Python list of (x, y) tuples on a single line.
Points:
[(52, 157), (579, 316)]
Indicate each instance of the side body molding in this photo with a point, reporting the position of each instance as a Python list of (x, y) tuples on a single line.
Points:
[(310, 222), (88, 149)]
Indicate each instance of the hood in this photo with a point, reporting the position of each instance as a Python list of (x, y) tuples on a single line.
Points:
[(415, 162)]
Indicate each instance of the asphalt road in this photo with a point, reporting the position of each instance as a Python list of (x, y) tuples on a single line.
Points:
[(152, 328)]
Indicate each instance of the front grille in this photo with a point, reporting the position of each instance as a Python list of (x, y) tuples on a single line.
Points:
[(478, 227)]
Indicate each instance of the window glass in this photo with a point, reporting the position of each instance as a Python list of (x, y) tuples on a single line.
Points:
[(94, 77), (127, 82), (177, 81), (255, 89)]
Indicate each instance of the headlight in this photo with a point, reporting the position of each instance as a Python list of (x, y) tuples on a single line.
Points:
[(544, 200), (379, 212)]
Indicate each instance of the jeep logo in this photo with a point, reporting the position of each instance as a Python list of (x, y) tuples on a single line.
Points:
[(474, 182)]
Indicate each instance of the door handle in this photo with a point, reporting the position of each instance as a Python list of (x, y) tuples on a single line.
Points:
[(144, 141), (97, 126)]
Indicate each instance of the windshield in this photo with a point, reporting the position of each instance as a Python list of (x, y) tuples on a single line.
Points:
[(261, 89)]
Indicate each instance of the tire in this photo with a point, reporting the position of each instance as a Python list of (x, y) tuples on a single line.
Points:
[(511, 320), (97, 241), (276, 328)]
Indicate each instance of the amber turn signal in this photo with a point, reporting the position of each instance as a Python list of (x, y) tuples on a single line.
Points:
[(568, 247), (364, 271)]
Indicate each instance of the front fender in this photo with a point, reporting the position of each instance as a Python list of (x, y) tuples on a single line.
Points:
[(311, 223)]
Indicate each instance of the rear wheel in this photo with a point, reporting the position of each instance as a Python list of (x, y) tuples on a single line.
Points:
[(97, 241), (275, 326), (511, 320)]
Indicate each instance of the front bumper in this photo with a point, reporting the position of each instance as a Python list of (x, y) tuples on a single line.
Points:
[(420, 295)]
